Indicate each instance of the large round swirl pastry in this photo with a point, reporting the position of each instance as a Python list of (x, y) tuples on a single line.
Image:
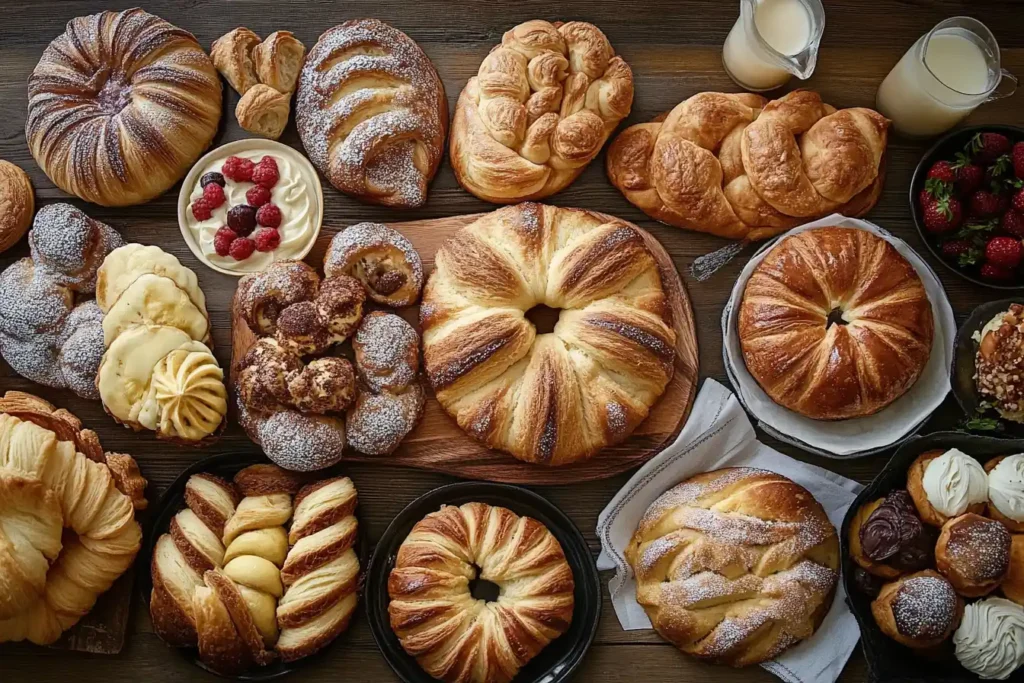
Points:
[(835, 323), (461, 639), (372, 114), (548, 398), (735, 565), (539, 110), (120, 106)]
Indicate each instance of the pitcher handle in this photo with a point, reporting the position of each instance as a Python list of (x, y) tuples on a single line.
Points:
[(1005, 76)]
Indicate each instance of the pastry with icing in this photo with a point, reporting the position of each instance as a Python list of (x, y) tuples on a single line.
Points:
[(888, 539), (990, 639), (947, 484), (1006, 490)]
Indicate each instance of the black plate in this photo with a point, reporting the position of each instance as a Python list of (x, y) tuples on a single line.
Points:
[(945, 148), (961, 374), (171, 502), (888, 661), (562, 656)]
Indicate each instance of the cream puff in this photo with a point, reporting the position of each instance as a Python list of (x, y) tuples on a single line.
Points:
[(1013, 585), (887, 537), (990, 639), (946, 485), (973, 552), (919, 610), (1006, 490)]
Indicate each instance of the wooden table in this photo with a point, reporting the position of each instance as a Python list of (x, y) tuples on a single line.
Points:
[(675, 51)]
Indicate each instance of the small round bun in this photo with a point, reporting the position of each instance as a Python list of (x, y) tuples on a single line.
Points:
[(973, 552), (379, 257), (919, 610), (17, 204)]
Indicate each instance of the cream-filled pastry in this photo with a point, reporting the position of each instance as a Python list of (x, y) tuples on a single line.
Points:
[(947, 485), (990, 639), (1006, 490)]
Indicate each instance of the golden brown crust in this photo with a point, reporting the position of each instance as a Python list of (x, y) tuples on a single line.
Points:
[(262, 296), (128, 478), (915, 486), (742, 167), (278, 61), (232, 54), (212, 514), (264, 111), (266, 479), (381, 258), (220, 646), (973, 553), (328, 627), (227, 592), (992, 511), (879, 569), (1013, 585), (918, 610), (828, 370), (17, 204), (170, 621)]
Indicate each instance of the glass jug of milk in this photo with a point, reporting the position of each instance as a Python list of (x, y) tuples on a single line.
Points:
[(773, 40), (943, 77)]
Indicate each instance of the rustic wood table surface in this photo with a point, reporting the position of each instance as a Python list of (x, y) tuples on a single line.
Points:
[(674, 49)]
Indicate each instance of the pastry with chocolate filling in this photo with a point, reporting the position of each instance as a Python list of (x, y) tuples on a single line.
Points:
[(379, 257), (888, 539), (918, 610), (973, 552)]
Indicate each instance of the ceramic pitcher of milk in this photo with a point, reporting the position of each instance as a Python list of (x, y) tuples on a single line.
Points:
[(943, 77), (772, 41)]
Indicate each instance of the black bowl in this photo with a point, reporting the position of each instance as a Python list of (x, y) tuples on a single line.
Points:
[(946, 148), (888, 661), (961, 374), (557, 661), (171, 502)]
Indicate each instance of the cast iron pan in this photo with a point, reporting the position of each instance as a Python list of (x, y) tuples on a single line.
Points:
[(888, 661), (562, 656), (225, 466)]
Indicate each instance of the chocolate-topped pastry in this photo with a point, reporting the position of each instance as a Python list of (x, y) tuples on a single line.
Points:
[(973, 552), (919, 610), (918, 553), (893, 525)]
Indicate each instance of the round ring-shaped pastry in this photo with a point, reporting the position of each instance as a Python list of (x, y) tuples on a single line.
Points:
[(834, 323), (120, 105), (550, 398)]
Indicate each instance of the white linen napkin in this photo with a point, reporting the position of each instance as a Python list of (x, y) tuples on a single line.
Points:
[(719, 434)]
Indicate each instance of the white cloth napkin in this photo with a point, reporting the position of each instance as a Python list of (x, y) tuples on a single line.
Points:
[(718, 434), (862, 435)]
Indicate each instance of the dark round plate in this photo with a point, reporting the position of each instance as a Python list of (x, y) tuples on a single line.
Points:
[(961, 373), (562, 656), (945, 148), (171, 502), (888, 661)]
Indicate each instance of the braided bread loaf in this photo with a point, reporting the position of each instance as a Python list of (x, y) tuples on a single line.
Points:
[(742, 167), (541, 107), (456, 637), (735, 565)]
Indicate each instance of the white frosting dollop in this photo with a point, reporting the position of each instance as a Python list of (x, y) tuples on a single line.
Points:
[(1006, 487), (990, 639), (954, 481)]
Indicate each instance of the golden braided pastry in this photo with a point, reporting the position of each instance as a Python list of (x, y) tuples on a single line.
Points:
[(539, 110), (50, 579), (461, 639), (810, 362), (549, 398), (735, 565), (120, 106), (742, 167)]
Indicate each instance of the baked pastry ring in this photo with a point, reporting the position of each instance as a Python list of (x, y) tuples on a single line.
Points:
[(918, 610)]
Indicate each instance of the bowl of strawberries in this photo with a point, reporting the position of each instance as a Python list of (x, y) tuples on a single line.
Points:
[(967, 199)]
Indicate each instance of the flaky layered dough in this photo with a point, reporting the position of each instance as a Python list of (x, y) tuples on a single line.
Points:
[(550, 398), (735, 565), (458, 638), (538, 111), (868, 354), (742, 167), (120, 106)]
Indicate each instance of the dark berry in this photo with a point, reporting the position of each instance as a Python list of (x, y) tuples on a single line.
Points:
[(212, 177), (242, 219), (267, 239), (222, 240), (214, 195), (269, 216), (257, 196), (242, 248), (201, 209)]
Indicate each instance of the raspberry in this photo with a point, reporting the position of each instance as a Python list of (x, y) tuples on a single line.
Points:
[(266, 173), (242, 219), (201, 209), (269, 216), (267, 239), (211, 177), (242, 248), (257, 196), (238, 169), (214, 195), (222, 240)]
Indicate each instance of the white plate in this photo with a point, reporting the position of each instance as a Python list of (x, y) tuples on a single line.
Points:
[(862, 435), (236, 147)]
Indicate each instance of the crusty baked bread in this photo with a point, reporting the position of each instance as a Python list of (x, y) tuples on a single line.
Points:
[(918, 610), (17, 204), (120, 106), (548, 398), (735, 565), (461, 639), (973, 553), (834, 323), (372, 114), (538, 111), (740, 166)]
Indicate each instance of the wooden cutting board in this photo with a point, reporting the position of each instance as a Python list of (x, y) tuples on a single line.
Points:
[(437, 443)]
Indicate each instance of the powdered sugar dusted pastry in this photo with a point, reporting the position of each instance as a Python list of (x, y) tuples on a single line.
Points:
[(377, 423), (387, 351), (973, 552), (919, 610), (1006, 490), (17, 204), (232, 54), (379, 257), (296, 441), (946, 484), (70, 246), (990, 640), (372, 114)]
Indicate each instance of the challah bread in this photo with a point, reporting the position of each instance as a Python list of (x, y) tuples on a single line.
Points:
[(742, 167), (551, 398), (461, 639), (120, 106), (834, 323), (538, 111), (735, 565), (372, 113)]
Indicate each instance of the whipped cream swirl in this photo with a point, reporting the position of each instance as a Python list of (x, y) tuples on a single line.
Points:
[(1006, 487), (990, 640), (954, 481)]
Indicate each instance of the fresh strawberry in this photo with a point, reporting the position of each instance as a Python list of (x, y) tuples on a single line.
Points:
[(267, 239), (942, 171), (222, 240), (269, 216), (266, 173), (991, 271), (984, 204), (214, 195), (933, 187), (1013, 224), (201, 209), (987, 147), (942, 215), (999, 168), (257, 196), (1005, 252), (242, 248), (969, 176), (1018, 201), (955, 248), (1017, 156)]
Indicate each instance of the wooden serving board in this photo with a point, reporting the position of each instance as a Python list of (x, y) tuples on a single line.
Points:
[(437, 443)]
